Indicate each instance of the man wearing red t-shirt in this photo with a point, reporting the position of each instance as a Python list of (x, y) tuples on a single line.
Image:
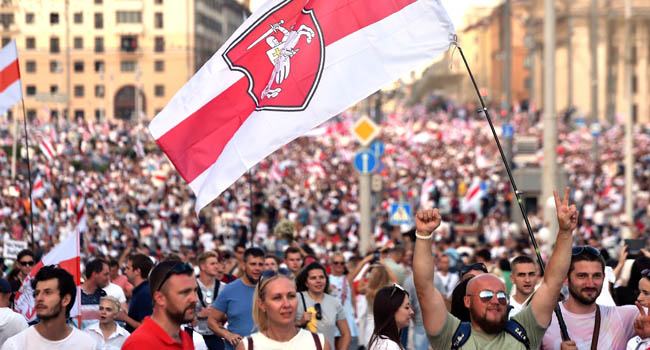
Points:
[(174, 294)]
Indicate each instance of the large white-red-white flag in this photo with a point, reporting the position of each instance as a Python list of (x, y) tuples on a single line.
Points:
[(10, 89), (65, 255), (292, 65)]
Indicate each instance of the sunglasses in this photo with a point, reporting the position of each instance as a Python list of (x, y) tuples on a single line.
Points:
[(395, 288), (477, 266), (266, 274), (178, 269), (487, 295), (319, 311), (585, 248), (25, 263), (338, 262), (645, 273)]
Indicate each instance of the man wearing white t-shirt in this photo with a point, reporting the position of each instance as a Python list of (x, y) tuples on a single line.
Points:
[(525, 277), (11, 323), (54, 296), (448, 280)]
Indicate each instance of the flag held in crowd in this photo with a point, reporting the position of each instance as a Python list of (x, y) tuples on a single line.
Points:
[(65, 255), (39, 189), (10, 89), (292, 65)]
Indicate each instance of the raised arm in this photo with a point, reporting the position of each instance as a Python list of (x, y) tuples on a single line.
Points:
[(546, 296), (432, 304)]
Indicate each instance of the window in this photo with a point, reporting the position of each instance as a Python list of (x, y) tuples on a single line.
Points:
[(78, 91), (99, 66), (635, 83), (55, 66), (29, 17), (158, 2), (31, 90), (54, 89), (30, 66), (99, 90), (129, 43), (54, 17), (99, 20), (99, 44), (31, 114), (98, 2), (78, 66), (159, 45), (158, 20), (159, 90), (78, 114), (128, 66), (78, 42), (159, 66), (30, 43), (128, 17), (6, 19), (99, 114), (78, 17), (54, 45), (5, 40)]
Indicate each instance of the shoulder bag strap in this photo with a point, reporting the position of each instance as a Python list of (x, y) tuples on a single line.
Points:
[(317, 341), (200, 295), (594, 338), (461, 335), (304, 305), (517, 331)]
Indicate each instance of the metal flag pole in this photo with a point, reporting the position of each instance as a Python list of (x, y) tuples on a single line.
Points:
[(29, 176), (558, 313)]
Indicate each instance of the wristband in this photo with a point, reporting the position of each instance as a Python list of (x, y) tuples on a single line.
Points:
[(417, 235)]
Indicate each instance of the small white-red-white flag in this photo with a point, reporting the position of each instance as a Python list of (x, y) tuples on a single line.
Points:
[(290, 66), (38, 189), (47, 149), (471, 203), (65, 255), (10, 89)]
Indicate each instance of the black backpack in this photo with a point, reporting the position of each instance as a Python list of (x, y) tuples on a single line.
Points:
[(513, 328)]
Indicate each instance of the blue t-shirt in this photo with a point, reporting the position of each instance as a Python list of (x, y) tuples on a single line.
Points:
[(141, 305), (236, 301)]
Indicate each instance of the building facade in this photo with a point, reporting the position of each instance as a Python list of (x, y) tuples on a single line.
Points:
[(87, 58)]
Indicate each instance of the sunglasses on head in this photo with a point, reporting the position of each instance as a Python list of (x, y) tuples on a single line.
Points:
[(266, 274), (395, 288), (178, 269), (577, 250), (319, 311), (645, 273), (25, 263), (487, 295), (477, 266)]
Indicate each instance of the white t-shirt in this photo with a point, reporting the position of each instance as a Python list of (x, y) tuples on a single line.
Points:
[(516, 307), (116, 291), (637, 343), (11, 323), (32, 340), (384, 344), (303, 340), (115, 340), (448, 283)]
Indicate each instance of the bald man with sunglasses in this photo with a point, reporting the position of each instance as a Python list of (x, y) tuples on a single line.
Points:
[(486, 296)]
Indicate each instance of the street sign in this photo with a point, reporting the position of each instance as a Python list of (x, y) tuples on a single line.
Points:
[(595, 129), (365, 162), (376, 183), (400, 213), (365, 130), (377, 147), (507, 131)]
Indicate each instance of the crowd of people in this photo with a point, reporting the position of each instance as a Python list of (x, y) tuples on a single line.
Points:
[(151, 266)]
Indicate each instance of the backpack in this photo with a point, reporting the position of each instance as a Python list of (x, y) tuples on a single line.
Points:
[(513, 328)]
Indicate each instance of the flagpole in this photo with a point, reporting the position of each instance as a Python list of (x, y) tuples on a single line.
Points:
[(558, 313), (250, 199), (29, 175)]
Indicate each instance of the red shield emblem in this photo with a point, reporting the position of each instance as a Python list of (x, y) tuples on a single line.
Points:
[(282, 55)]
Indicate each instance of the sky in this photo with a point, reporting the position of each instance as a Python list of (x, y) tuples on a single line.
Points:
[(455, 8)]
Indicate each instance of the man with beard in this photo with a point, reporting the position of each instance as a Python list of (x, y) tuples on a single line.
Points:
[(486, 296), (610, 327), (174, 294), (525, 277), (137, 271), (235, 302), (54, 296)]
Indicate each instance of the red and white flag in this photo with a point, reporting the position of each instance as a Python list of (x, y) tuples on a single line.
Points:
[(292, 65), (47, 149), (65, 255), (10, 89), (471, 203), (38, 190)]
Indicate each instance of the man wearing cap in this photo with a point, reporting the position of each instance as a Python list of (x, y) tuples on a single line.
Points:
[(11, 323), (174, 294)]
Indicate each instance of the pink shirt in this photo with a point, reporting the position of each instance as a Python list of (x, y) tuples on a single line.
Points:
[(616, 328)]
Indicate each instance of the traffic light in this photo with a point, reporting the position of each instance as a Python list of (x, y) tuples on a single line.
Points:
[(129, 43)]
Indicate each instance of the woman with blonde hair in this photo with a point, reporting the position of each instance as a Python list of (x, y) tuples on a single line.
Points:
[(274, 311), (107, 333)]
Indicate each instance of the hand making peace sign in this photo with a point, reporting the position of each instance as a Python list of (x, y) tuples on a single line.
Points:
[(567, 216)]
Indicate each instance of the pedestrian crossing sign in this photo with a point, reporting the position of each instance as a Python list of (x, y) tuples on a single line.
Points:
[(400, 214)]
